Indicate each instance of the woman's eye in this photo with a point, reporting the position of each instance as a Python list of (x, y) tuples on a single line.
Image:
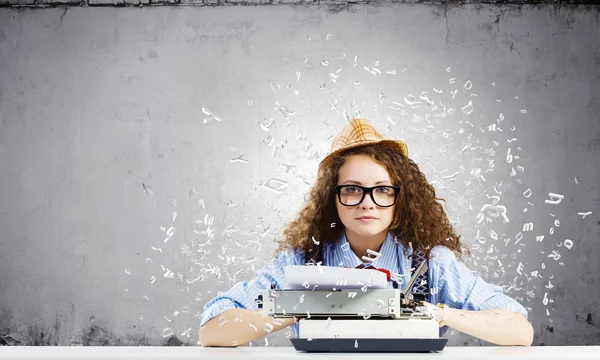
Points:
[(352, 189), (383, 189)]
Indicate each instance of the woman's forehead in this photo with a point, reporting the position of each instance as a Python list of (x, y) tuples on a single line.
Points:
[(363, 169)]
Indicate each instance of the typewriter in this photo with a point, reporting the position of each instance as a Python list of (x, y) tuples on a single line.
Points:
[(357, 319)]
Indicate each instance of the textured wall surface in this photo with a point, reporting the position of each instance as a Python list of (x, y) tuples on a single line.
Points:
[(332, 3), (150, 156)]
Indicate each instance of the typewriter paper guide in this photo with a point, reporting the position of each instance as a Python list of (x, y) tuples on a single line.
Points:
[(329, 277)]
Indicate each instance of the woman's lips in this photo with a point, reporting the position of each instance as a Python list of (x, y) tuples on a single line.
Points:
[(366, 220)]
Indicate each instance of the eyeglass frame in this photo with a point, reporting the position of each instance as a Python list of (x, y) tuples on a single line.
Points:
[(368, 190)]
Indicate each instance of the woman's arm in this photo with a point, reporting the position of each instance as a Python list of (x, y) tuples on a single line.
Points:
[(233, 318), (497, 326), (237, 327), (477, 308)]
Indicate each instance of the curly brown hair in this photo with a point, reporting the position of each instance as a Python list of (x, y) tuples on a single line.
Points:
[(418, 217)]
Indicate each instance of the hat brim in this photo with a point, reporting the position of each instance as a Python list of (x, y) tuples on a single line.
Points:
[(400, 144)]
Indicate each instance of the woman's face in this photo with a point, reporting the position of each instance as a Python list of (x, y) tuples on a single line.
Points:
[(364, 171)]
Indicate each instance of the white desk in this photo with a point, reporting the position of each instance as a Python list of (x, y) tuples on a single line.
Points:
[(176, 353)]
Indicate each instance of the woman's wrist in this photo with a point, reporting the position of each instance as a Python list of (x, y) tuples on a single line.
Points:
[(441, 313)]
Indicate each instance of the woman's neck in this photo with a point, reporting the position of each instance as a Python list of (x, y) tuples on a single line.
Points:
[(360, 244)]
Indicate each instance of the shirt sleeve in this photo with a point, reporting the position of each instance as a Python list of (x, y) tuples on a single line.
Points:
[(244, 293), (461, 288)]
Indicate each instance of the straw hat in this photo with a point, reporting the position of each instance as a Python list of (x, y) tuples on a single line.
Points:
[(357, 133)]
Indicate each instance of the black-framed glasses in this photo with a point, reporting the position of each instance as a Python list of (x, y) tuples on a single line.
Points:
[(382, 195)]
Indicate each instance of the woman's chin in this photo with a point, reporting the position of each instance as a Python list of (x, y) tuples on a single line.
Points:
[(366, 232)]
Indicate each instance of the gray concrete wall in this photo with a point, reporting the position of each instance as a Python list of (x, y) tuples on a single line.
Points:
[(150, 156)]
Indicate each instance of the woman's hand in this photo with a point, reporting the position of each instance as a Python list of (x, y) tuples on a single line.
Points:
[(438, 312), (497, 326)]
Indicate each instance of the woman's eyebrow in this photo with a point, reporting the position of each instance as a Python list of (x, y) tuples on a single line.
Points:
[(359, 183)]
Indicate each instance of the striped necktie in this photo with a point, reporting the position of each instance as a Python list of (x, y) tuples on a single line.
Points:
[(365, 266), (370, 266)]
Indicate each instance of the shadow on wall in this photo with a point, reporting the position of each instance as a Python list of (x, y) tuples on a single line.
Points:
[(93, 335)]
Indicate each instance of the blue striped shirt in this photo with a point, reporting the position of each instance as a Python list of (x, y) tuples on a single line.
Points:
[(451, 282)]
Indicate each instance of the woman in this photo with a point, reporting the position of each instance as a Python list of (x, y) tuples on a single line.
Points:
[(370, 196)]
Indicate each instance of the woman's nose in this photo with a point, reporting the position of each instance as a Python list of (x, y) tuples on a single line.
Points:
[(367, 202)]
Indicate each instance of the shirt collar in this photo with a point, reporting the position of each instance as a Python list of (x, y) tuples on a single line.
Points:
[(387, 260)]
